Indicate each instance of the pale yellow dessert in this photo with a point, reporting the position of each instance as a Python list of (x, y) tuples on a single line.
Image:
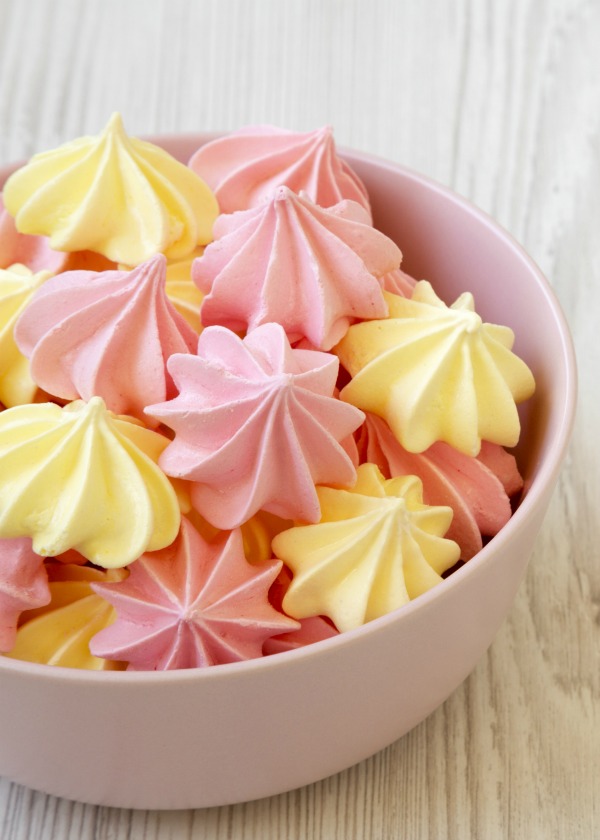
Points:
[(376, 547), (116, 195), (437, 372), (80, 477)]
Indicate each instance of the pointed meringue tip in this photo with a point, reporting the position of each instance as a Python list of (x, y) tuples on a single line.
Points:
[(115, 122), (157, 261), (283, 193), (326, 132), (96, 405)]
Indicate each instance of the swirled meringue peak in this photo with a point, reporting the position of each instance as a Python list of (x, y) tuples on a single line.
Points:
[(478, 498), (23, 586), (376, 547), (244, 167), (312, 270), (119, 196), (435, 372), (191, 605), (81, 478), (256, 426), (106, 334), (17, 286)]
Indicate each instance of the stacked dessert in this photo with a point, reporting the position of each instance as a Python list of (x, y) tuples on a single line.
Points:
[(231, 424)]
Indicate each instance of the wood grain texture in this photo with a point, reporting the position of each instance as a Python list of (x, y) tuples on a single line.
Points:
[(501, 101)]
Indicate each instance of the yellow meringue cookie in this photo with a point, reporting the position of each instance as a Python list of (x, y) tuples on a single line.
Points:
[(17, 285), (376, 547), (435, 372), (80, 477), (59, 633), (119, 196)]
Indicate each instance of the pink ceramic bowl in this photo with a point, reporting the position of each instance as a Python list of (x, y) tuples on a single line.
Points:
[(238, 732)]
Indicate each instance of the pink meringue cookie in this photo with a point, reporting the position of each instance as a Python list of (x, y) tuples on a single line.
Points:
[(244, 167), (106, 334), (191, 605), (256, 426), (312, 270), (504, 466), (480, 503), (23, 586)]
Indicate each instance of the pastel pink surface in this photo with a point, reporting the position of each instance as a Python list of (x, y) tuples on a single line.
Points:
[(244, 167), (310, 269), (256, 426), (177, 739), (191, 605), (503, 464), (106, 334), (398, 282), (32, 251), (23, 585)]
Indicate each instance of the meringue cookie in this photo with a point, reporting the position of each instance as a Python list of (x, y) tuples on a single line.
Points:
[(435, 372), (377, 546), (191, 605), (106, 334), (244, 167), (256, 426), (81, 478), (121, 197), (17, 286), (310, 269), (23, 586)]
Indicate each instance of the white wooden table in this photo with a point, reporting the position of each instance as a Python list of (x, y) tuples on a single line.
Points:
[(500, 100)]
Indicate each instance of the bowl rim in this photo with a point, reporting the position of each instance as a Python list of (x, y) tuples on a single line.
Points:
[(545, 476)]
